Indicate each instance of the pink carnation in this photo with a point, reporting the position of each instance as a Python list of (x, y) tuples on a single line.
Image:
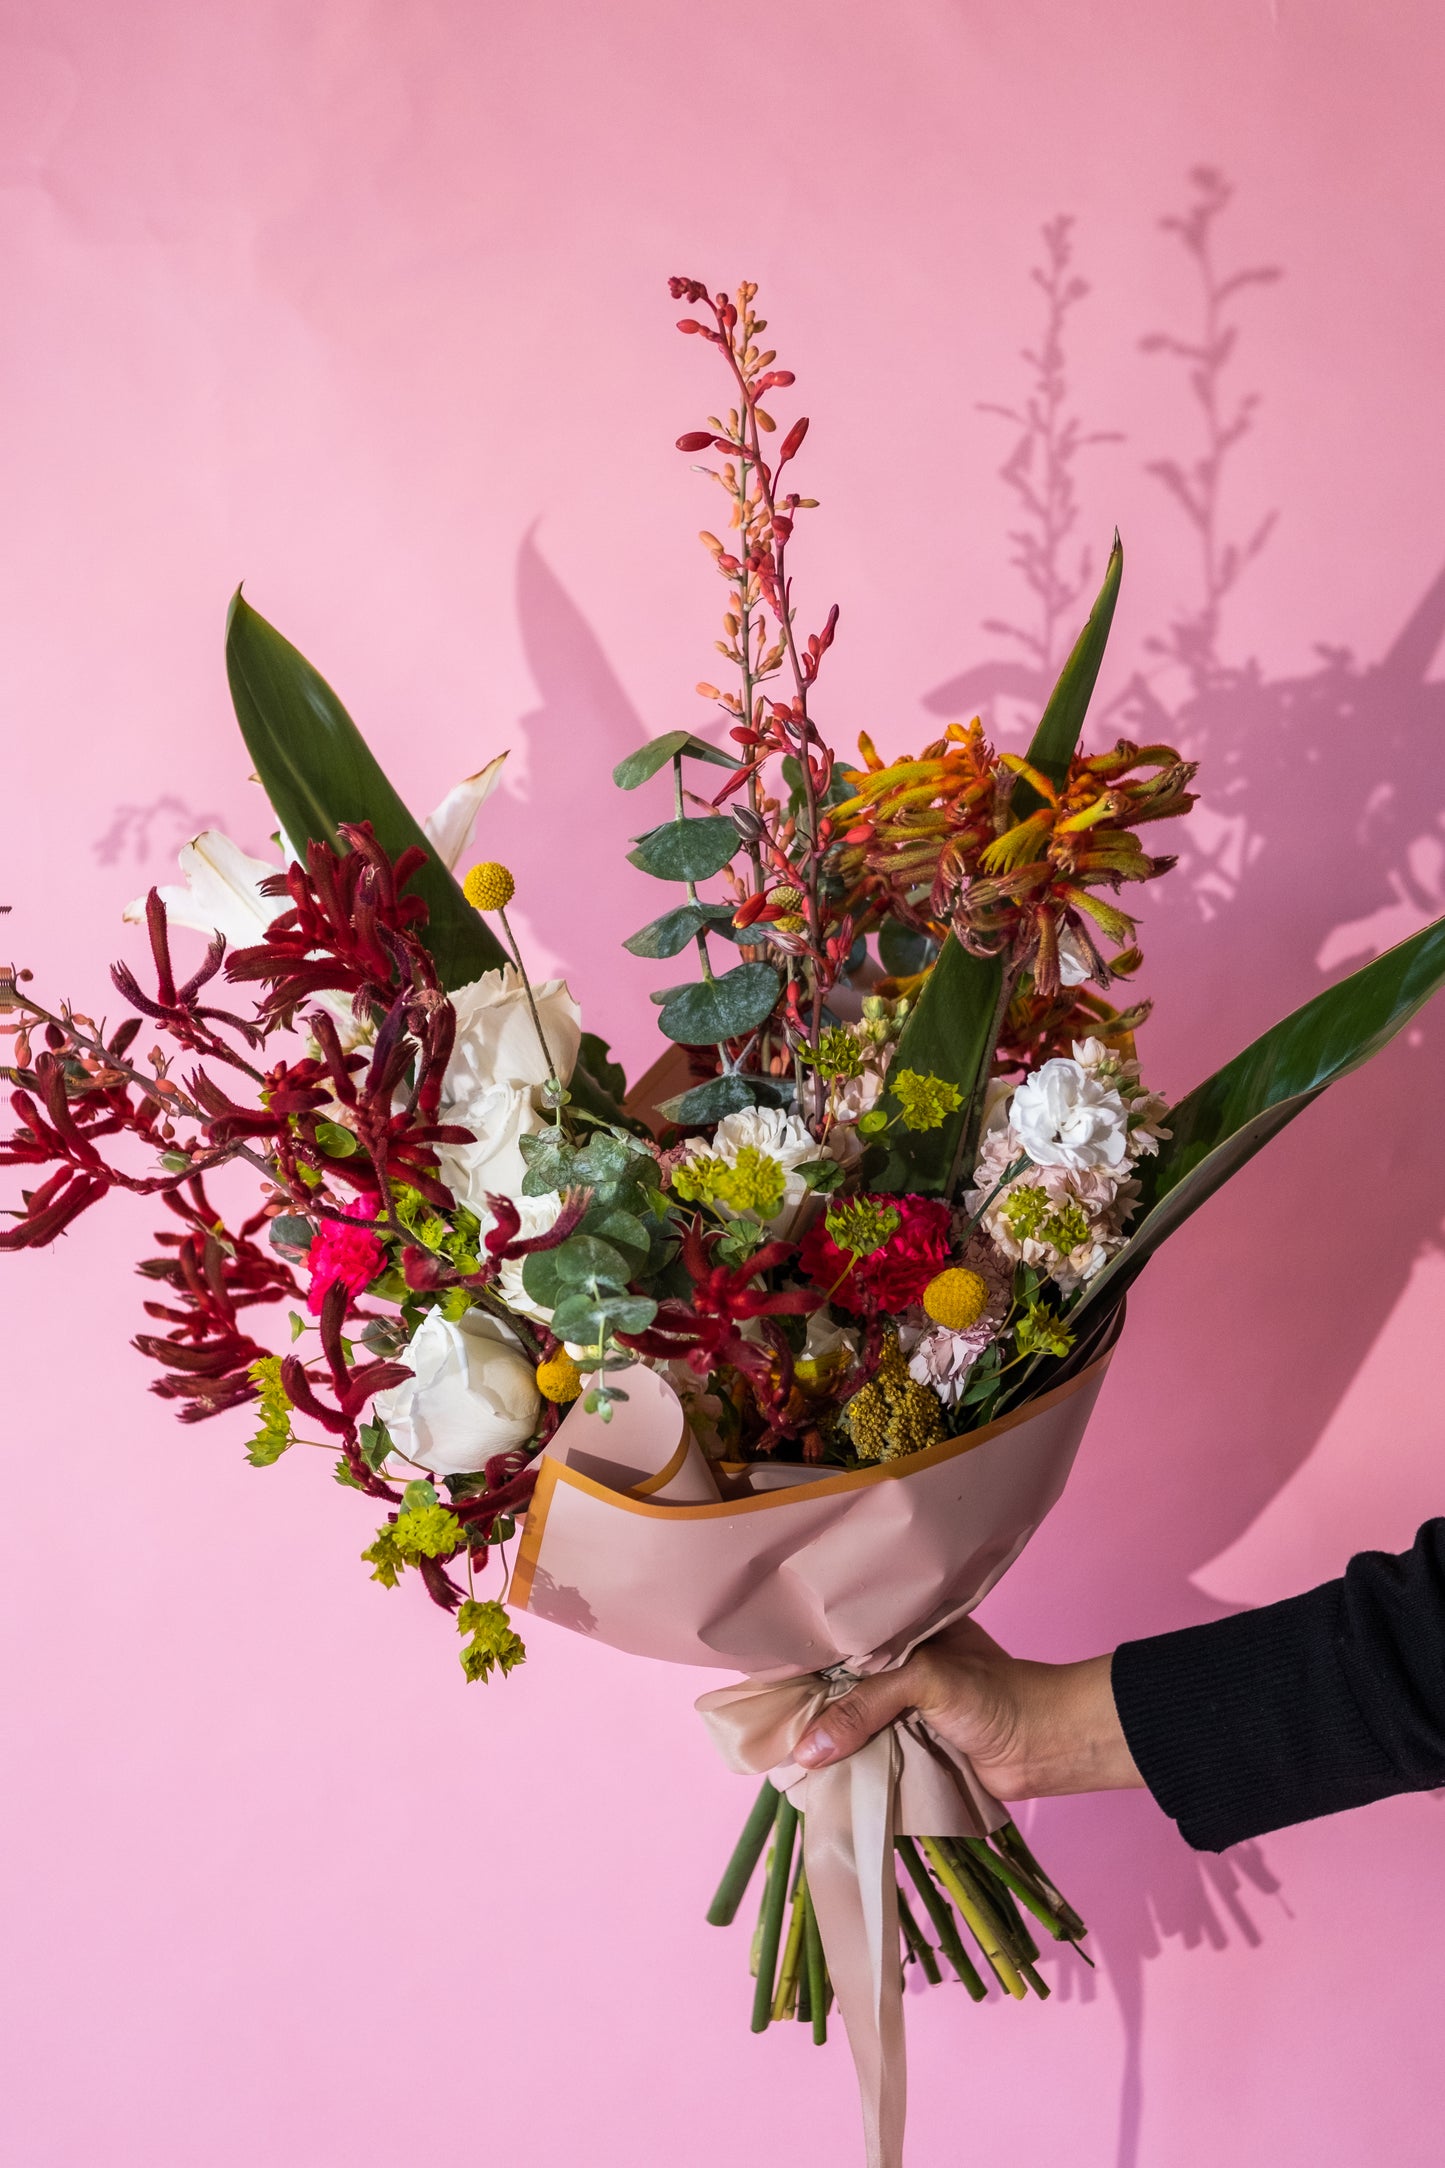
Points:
[(894, 1277), (352, 1255)]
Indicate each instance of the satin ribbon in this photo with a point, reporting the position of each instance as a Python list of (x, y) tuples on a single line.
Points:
[(905, 1781)]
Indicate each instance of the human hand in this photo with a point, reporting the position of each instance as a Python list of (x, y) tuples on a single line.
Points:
[(1030, 1730)]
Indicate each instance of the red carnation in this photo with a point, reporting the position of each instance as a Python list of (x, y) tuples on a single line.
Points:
[(352, 1255), (893, 1277)]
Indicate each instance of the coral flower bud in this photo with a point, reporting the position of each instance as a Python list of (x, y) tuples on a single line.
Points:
[(558, 1378), (489, 887), (956, 1298)]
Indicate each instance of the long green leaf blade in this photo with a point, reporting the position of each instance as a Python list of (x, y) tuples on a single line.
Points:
[(950, 1035), (318, 771), (1224, 1121), (1057, 736)]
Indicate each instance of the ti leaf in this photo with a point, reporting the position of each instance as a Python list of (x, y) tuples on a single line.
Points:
[(711, 1010), (670, 934), (687, 850), (657, 752), (1057, 736), (950, 1034), (318, 771), (1223, 1122)]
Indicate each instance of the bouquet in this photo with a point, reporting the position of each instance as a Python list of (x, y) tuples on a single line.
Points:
[(777, 1360)]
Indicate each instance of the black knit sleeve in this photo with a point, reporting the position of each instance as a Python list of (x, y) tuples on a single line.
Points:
[(1326, 1701)]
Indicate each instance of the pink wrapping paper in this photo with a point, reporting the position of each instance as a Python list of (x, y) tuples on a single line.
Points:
[(805, 1588)]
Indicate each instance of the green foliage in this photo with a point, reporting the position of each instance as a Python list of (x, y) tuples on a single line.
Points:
[(493, 1645), (645, 762), (670, 934), (275, 1435), (335, 1140), (1224, 1121), (722, 1095), (687, 850), (375, 1442), (901, 951), (949, 1036), (1040, 1332), (596, 1056), (584, 1319), (317, 771), (291, 1235), (729, 1007), (1057, 736), (925, 1102)]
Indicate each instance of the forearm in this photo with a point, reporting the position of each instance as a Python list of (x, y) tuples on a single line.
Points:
[(1072, 1740)]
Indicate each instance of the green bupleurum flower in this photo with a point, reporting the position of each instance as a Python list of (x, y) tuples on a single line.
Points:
[(420, 1531), (275, 1434), (1040, 1332), (753, 1182), (839, 1055), (862, 1225), (925, 1101), (493, 1646)]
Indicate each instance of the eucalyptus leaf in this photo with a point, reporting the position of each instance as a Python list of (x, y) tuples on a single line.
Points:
[(581, 1320), (725, 1095), (622, 1231), (1056, 739), (291, 1234), (670, 934), (337, 1141), (1224, 1121), (318, 771), (724, 1008), (584, 1261), (657, 752), (687, 850), (949, 1034)]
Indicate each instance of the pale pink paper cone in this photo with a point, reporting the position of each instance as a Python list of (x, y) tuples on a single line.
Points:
[(802, 1589)]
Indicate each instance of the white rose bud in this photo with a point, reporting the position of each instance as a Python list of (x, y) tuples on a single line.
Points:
[(472, 1393)]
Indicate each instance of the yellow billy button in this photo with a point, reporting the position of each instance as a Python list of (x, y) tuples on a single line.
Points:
[(489, 887), (956, 1298), (558, 1378)]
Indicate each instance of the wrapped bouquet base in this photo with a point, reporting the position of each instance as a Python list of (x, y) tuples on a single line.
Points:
[(805, 1587)]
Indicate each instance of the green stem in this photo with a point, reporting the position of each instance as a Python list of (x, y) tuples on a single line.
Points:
[(553, 1079), (746, 1854), (775, 1898), (1009, 1840), (701, 936), (936, 1906), (817, 1972), (1013, 1880), (918, 1942)]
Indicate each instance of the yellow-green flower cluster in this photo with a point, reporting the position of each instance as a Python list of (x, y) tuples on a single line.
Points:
[(275, 1434), (493, 1645), (862, 1225), (1040, 1332), (420, 1531), (924, 1101), (753, 1182), (839, 1055), (893, 1414), (1033, 1217)]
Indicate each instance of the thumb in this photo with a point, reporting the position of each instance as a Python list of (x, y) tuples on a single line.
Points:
[(854, 1718)]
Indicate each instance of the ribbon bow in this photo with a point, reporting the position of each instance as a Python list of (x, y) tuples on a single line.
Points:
[(905, 1781)]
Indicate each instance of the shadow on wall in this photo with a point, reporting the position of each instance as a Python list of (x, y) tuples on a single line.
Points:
[(1319, 843)]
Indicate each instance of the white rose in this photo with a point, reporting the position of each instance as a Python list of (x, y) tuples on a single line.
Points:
[(492, 1078), (539, 1217), (496, 1039), (472, 1393), (1066, 1118), (498, 1118)]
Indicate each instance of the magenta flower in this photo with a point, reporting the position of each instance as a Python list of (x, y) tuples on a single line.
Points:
[(351, 1254)]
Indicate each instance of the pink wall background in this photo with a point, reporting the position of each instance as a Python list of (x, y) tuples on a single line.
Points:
[(365, 303)]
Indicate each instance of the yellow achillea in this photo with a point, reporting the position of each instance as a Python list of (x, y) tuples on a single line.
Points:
[(893, 1414), (489, 887)]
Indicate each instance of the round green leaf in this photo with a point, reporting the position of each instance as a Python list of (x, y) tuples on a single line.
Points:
[(725, 1008), (687, 850), (658, 752)]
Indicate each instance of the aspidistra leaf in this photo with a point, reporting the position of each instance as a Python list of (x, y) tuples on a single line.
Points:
[(318, 771), (1056, 739), (1224, 1121), (949, 1034)]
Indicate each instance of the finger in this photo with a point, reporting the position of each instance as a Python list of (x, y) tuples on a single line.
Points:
[(855, 1718)]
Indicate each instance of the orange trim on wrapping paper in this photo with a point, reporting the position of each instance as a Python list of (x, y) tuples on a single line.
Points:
[(666, 1473), (932, 1456)]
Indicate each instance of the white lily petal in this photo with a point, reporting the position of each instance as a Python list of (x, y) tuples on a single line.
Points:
[(449, 828), (222, 892)]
